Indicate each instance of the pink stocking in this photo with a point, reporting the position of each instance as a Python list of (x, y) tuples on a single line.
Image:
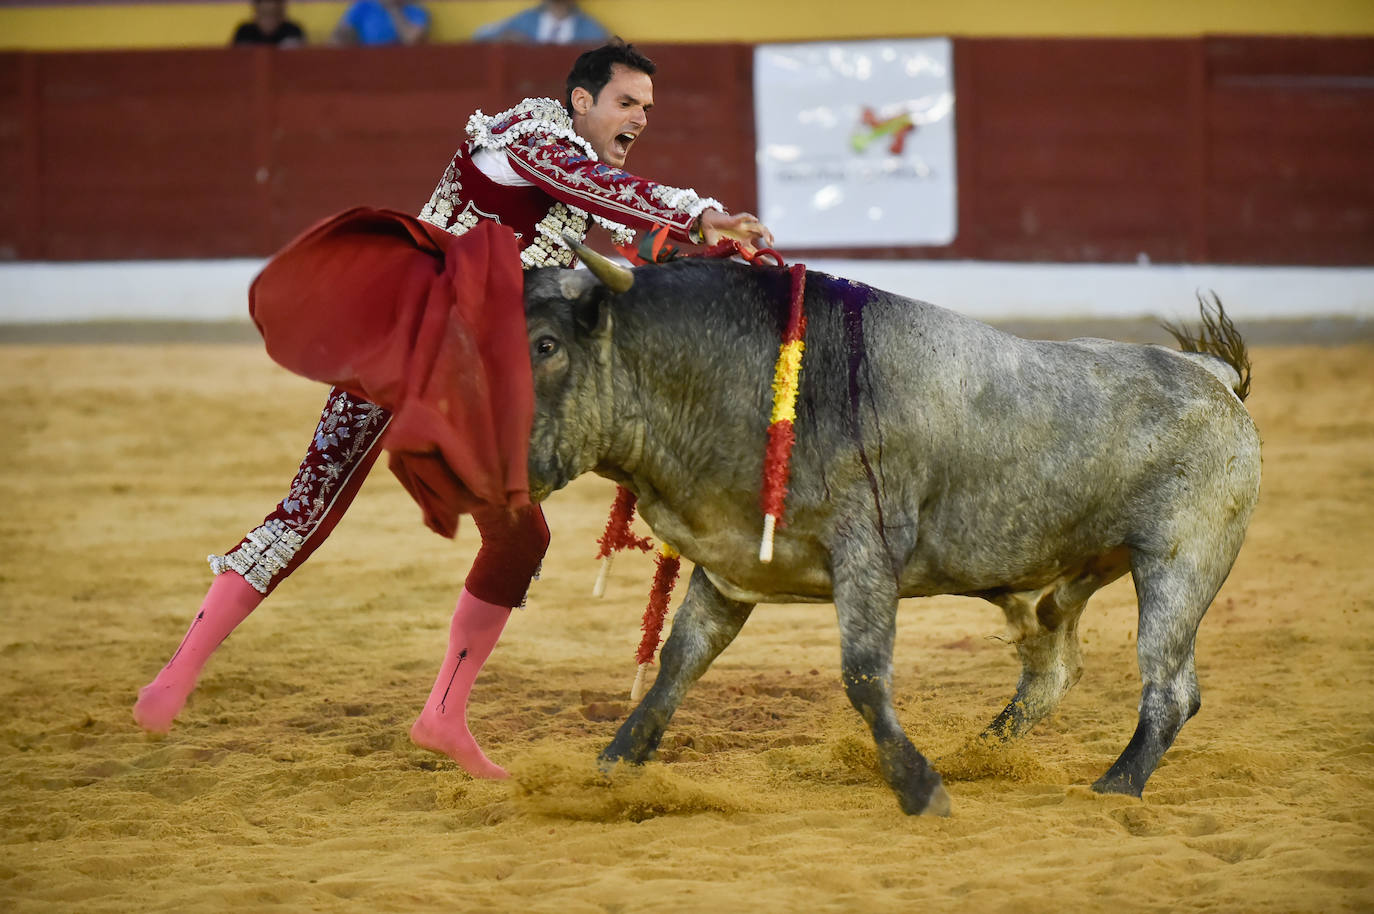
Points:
[(443, 724), (228, 603)]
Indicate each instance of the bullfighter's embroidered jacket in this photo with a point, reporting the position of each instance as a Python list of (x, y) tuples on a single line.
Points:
[(550, 183), (566, 184)]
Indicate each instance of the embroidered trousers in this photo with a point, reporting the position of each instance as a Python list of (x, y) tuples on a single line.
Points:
[(346, 444)]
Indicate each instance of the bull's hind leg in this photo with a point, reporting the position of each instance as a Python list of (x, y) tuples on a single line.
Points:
[(1044, 626), (866, 604), (703, 626), (1050, 659), (1173, 594)]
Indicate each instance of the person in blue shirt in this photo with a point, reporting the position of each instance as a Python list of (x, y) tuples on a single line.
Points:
[(373, 22), (551, 22)]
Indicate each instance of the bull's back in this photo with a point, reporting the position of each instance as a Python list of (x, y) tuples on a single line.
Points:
[(995, 460)]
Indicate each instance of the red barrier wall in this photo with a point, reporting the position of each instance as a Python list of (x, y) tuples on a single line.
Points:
[(1246, 150), (1289, 151)]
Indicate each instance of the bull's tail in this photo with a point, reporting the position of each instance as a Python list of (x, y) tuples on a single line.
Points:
[(1217, 337)]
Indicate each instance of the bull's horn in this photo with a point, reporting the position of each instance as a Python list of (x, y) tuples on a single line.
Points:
[(616, 277)]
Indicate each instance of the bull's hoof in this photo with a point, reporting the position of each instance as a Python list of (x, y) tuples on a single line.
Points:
[(920, 792), (608, 762), (1118, 783), (936, 803), (939, 803)]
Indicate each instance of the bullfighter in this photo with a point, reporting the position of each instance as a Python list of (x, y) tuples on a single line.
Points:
[(522, 180)]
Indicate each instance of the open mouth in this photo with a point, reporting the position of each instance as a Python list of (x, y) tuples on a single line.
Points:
[(622, 142)]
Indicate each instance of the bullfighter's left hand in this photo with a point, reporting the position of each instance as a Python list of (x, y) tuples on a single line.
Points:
[(742, 227)]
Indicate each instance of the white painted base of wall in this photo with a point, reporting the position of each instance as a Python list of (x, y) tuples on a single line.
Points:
[(217, 290), (164, 290)]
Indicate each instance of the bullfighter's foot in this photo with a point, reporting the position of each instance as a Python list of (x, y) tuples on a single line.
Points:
[(227, 603), (158, 705), (457, 743)]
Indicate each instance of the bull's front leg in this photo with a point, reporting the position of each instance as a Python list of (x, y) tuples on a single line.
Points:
[(706, 622), (866, 604)]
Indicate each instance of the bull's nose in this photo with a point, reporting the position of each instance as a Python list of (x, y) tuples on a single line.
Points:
[(544, 482)]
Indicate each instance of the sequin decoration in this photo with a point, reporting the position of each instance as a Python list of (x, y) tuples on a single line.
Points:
[(264, 553), (547, 249), (348, 428)]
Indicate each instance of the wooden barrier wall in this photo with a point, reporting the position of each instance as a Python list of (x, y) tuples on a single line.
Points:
[(1241, 150)]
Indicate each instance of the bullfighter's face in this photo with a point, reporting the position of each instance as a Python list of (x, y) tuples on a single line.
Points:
[(614, 119)]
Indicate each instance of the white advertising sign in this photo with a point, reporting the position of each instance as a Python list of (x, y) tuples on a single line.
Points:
[(856, 142)]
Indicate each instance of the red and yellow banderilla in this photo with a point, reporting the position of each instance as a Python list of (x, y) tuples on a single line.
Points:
[(776, 461), (777, 457)]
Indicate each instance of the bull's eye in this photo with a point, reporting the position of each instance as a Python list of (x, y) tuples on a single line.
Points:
[(545, 346)]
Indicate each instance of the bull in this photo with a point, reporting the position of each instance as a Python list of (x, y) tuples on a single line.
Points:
[(934, 455)]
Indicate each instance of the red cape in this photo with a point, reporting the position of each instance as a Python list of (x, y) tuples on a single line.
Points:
[(428, 325)]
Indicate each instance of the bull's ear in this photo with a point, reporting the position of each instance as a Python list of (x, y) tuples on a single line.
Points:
[(575, 284), (592, 311)]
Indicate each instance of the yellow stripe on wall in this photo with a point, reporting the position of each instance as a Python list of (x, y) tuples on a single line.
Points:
[(74, 27)]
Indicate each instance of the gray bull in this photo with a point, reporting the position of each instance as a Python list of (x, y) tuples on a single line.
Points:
[(934, 455)]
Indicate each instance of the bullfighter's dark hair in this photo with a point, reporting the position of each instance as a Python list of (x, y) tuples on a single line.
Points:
[(592, 70)]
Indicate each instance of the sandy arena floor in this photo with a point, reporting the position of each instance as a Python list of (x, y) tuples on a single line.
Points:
[(289, 783)]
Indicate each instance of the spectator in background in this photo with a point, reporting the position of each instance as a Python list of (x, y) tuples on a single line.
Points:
[(551, 22), (373, 22), (269, 26)]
